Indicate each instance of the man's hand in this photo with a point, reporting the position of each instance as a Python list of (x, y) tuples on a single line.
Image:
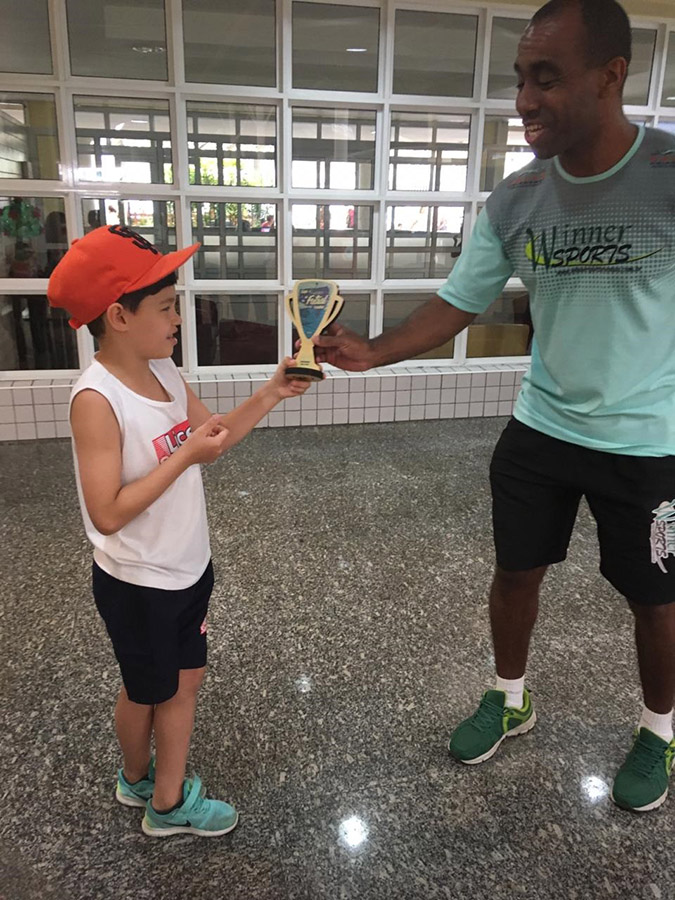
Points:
[(344, 348), (207, 442), (283, 386)]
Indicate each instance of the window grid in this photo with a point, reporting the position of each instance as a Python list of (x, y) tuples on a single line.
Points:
[(66, 87)]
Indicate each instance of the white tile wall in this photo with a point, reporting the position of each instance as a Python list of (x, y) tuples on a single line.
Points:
[(39, 408)]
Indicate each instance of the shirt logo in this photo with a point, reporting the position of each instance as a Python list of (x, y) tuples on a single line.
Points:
[(662, 160), (527, 179), (173, 440), (584, 247)]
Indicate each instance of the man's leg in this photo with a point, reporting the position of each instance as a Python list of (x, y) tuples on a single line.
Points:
[(655, 640), (514, 603), (505, 711), (641, 784), (133, 723), (173, 723)]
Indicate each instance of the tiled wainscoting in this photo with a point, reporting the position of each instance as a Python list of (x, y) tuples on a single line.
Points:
[(39, 408)]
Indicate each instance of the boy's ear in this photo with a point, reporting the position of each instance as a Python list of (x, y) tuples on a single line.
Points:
[(117, 317)]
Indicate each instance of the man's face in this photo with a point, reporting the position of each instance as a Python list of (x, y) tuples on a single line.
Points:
[(558, 92)]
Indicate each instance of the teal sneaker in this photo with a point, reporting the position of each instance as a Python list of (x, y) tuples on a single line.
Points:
[(478, 737), (197, 815), (641, 783), (139, 793)]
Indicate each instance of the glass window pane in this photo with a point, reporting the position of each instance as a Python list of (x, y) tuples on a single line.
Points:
[(24, 37), (335, 48), (154, 219), (332, 241), (505, 150), (334, 148), (29, 145), (668, 98), (636, 90), (118, 38), (398, 307), (506, 34), (355, 313), (230, 42), (504, 330), (232, 144), (434, 53), (33, 335), (123, 139), (667, 125), (33, 236), (239, 240), (236, 329), (423, 241), (428, 152)]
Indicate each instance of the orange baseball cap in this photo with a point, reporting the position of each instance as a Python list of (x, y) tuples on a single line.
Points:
[(103, 265)]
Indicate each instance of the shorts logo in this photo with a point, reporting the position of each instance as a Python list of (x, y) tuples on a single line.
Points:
[(168, 443), (663, 533), (204, 627)]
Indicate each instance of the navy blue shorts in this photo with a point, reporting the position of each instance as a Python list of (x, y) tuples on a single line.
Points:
[(154, 633), (537, 485)]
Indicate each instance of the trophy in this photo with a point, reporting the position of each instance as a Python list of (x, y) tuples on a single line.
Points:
[(312, 305)]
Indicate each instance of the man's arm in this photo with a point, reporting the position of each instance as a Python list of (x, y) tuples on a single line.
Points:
[(477, 279), (97, 437), (429, 326)]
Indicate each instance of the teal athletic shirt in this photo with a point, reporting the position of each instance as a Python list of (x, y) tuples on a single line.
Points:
[(597, 256)]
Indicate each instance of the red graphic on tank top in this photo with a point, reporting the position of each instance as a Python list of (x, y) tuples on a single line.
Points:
[(168, 443)]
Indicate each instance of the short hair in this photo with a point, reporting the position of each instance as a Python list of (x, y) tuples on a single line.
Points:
[(608, 32), (132, 301)]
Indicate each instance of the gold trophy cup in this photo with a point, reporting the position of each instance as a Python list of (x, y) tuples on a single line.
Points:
[(312, 305)]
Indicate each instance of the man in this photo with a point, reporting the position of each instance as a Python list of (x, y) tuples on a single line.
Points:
[(588, 227)]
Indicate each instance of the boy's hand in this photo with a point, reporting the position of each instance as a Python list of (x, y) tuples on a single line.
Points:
[(207, 442), (284, 386)]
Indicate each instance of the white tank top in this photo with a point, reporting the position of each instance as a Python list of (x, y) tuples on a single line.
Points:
[(167, 545)]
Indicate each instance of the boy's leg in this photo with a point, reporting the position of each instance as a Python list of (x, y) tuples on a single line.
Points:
[(173, 722), (133, 723)]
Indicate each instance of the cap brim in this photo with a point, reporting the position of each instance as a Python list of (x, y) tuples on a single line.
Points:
[(164, 266)]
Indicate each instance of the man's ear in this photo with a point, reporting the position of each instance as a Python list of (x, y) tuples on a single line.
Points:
[(614, 75)]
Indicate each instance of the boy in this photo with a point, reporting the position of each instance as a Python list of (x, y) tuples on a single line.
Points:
[(139, 435)]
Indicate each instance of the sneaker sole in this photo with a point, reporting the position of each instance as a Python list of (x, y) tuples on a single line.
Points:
[(519, 729), (638, 809), (129, 801), (184, 829)]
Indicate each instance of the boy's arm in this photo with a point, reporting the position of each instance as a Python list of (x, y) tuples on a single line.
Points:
[(246, 416), (96, 432)]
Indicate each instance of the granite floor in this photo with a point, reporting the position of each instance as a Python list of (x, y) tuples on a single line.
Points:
[(348, 633)]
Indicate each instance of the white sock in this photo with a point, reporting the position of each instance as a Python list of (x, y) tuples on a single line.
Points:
[(513, 687), (661, 724)]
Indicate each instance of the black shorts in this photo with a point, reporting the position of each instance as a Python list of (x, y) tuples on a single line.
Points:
[(154, 633), (537, 484)]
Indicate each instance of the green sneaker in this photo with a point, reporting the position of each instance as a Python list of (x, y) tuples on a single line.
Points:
[(139, 793), (197, 815), (478, 737), (641, 783)]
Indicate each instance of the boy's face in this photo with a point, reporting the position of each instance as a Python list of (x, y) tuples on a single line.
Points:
[(154, 325)]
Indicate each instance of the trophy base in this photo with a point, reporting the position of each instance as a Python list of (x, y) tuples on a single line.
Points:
[(304, 374)]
